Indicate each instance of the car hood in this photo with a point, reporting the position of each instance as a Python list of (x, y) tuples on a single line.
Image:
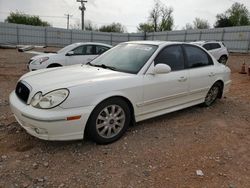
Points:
[(43, 55), (66, 77)]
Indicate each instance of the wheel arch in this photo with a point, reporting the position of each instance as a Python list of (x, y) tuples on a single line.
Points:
[(128, 101), (220, 81), (54, 65)]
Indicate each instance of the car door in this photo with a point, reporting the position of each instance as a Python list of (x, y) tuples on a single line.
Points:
[(163, 91), (82, 54), (201, 71)]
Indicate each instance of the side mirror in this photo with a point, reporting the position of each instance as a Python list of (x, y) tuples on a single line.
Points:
[(70, 53), (162, 69)]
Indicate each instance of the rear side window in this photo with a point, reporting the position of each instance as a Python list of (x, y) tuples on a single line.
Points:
[(196, 57), (207, 46), (214, 46), (89, 50), (101, 49), (172, 56)]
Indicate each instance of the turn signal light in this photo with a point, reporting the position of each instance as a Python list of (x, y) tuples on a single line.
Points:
[(73, 118)]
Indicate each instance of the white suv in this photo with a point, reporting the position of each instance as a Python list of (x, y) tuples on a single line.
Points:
[(216, 48)]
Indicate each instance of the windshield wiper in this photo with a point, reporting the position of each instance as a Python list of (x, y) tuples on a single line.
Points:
[(102, 66)]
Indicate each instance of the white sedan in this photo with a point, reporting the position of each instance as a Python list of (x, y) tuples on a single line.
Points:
[(76, 53), (131, 82)]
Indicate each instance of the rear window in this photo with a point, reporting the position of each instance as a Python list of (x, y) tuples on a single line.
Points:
[(196, 57)]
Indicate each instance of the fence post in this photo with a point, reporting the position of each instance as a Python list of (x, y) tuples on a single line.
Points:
[(248, 48), (222, 36), (45, 36), (111, 38), (166, 36), (91, 36), (17, 35), (145, 36), (185, 37), (200, 34), (71, 36)]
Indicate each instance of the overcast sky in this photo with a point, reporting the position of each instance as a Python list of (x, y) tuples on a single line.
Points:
[(128, 12)]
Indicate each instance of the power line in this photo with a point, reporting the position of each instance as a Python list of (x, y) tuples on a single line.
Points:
[(72, 17)]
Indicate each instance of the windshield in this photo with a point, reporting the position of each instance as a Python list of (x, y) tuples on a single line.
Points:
[(67, 48), (128, 58)]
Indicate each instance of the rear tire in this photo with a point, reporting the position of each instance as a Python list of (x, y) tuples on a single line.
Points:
[(212, 94), (109, 121)]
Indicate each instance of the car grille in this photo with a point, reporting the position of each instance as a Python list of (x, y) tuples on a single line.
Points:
[(22, 92)]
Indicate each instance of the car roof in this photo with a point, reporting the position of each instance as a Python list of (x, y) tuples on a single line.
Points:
[(158, 43), (92, 43), (205, 42)]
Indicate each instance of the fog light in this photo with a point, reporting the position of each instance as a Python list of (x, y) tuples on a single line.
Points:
[(40, 131)]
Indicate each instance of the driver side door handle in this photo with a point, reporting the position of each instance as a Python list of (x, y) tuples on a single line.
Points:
[(182, 79)]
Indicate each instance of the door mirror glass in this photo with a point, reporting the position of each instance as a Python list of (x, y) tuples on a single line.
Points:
[(70, 53), (162, 69)]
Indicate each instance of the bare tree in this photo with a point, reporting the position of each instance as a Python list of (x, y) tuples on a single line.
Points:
[(201, 24), (160, 19)]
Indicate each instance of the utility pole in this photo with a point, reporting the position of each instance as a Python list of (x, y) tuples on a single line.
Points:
[(68, 15), (82, 8)]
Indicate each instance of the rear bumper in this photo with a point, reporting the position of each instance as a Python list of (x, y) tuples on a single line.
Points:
[(50, 124)]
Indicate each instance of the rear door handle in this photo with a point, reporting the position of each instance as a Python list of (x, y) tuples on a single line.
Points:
[(182, 79)]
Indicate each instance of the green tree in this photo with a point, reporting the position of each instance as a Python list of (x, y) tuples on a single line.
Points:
[(114, 27), (236, 15), (160, 19), (21, 18), (201, 24), (145, 27)]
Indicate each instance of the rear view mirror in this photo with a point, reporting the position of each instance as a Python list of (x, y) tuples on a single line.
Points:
[(162, 69), (70, 53)]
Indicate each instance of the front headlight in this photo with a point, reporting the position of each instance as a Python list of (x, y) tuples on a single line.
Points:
[(49, 100), (39, 61)]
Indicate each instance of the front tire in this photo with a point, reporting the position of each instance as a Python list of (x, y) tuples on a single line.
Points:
[(212, 94), (109, 121)]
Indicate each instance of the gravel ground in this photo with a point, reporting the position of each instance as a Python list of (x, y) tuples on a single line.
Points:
[(194, 147)]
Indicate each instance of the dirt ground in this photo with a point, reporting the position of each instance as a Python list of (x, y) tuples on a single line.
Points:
[(162, 152)]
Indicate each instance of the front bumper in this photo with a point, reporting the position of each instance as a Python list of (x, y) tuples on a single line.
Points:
[(50, 124)]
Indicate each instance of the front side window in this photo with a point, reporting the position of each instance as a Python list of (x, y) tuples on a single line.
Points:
[(78, 50), (172, 56), (128, 58), (85, 50), (196, 57), (89, 50)]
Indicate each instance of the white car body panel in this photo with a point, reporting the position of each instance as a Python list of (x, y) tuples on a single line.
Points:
[(62, 59), (150, 95)]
